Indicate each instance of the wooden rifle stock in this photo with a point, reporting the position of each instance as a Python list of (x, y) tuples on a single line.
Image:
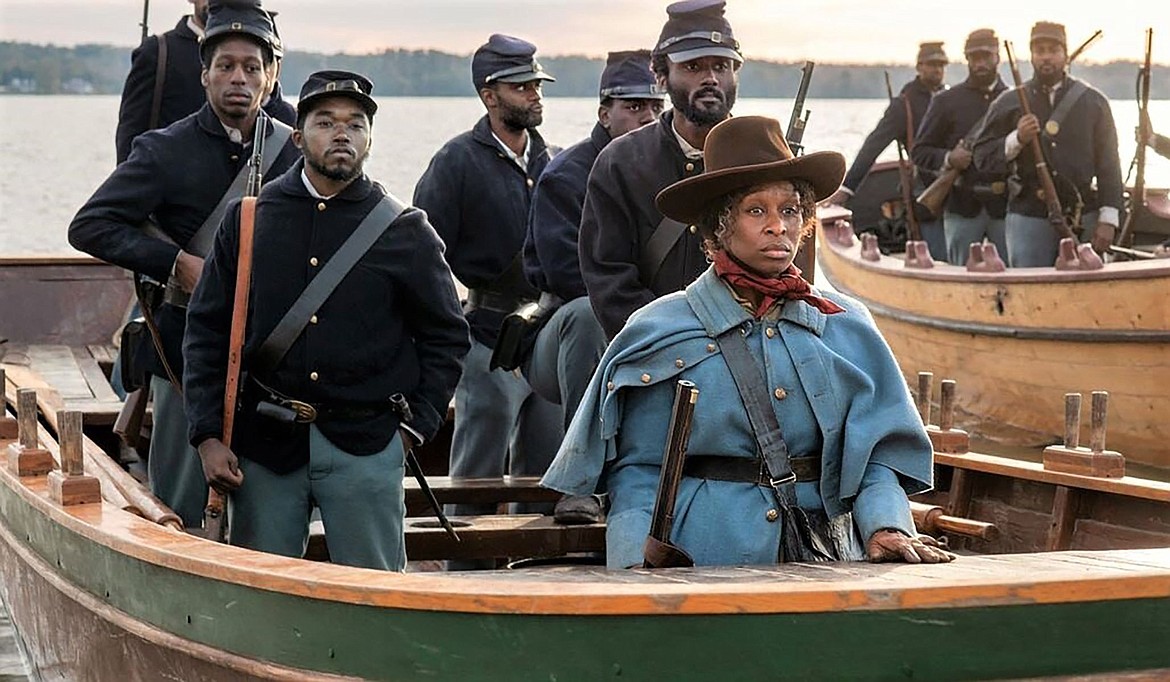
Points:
[(214, 514), (1051, 200), (1137, 198), (905, 177), (935, 195), (658, 551)]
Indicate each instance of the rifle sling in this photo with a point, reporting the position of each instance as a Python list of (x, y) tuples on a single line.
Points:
[(160, 78), (200, 243), (798, 542), (274, 348), (1076, 90), (665, 236)]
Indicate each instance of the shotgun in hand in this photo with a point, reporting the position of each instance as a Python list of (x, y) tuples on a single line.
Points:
[(657, 550)]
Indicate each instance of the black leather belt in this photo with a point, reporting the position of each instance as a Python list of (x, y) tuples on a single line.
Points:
[(307, 413), (745, 470), (492, 300)]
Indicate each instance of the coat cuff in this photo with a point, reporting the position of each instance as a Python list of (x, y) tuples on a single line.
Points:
[(882, 506)]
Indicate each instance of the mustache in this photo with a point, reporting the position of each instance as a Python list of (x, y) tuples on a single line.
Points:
[(709, 91)]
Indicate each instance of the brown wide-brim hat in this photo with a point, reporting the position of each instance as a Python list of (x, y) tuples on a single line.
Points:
[(745, 151)]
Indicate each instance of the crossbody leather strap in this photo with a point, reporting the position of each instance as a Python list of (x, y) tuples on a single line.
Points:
[(274, 348)]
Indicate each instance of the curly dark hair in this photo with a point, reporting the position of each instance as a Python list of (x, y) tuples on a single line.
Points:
[(715, 224)]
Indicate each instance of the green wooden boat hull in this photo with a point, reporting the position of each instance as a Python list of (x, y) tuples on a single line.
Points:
[(72, 585)]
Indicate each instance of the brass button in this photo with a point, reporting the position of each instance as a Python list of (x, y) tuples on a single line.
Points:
[(645, 378), (772, 515), (530, 183), (312, 376), (313, 320), (609, 386), (780, 394), (235, 157), (710, 348), (321, 206), (693, 229), (313, 261), (690, 166), (769, 332), (679, 363)]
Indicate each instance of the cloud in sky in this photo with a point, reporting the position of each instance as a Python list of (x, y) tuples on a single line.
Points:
[(849, 31)]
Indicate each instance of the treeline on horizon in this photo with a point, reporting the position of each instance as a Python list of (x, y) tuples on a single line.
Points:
[(421, 73)]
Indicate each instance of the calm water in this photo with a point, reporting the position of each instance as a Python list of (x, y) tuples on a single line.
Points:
[(58, 149)]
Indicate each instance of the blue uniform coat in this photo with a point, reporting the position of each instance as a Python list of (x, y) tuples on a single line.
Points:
[(843, 397)]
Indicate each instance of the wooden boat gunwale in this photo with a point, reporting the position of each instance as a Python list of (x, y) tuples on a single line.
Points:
[(892, 586)]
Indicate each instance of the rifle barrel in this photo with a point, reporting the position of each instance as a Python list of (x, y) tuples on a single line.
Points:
[(905, 178), (1051, 200)]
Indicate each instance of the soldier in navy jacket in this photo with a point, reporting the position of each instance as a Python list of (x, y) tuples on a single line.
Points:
[(182, 92), (696, 61), (392, 326), (1074, 124), (931, 69), (177, 176), (977, 201), (569, 345), (477, 192)]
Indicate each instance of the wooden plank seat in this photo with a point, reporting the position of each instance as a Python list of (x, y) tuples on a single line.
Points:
[(484, 537), (66, 378), (455, 490)]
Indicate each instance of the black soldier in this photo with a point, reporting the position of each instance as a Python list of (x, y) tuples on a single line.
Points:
[(477, 192), (389, 326), (569, 345), (631, 253), (182, 177)]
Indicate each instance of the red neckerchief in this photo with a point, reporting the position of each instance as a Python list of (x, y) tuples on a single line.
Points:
[(788, 285)]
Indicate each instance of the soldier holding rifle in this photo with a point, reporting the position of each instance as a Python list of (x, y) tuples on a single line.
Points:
[(354, 345), (976, 202), (899, 123), (1074, 126), (805, 441), (184, 176)]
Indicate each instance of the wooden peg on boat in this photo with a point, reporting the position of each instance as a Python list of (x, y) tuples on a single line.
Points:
[(918, 255), (8, 427), (70, 485), (869, 247), (934, 520), (1073, 256), (1094, 460), (984, 257), (925, 382), (25, 458), (945, 437)]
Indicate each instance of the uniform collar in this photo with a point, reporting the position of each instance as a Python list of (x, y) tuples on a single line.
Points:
[(482, 133), (292, 184), (599, 136), (193, 27), (718, 311)]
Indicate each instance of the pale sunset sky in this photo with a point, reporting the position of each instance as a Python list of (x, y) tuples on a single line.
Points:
[(828, 31)]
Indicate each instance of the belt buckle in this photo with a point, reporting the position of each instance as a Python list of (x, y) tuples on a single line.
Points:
[(777, 482), (306, 413)]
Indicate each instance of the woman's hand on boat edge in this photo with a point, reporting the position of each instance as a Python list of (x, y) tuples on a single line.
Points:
[(221, 468), (891, 545)]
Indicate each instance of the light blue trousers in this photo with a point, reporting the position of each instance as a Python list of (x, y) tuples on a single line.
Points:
[(962, 231), (565, 356), (360, 498), (501, 426), (1032, 243), (175, 470), (936, 241)]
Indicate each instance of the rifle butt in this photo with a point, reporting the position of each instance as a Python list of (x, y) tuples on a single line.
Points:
[(934, 197)]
